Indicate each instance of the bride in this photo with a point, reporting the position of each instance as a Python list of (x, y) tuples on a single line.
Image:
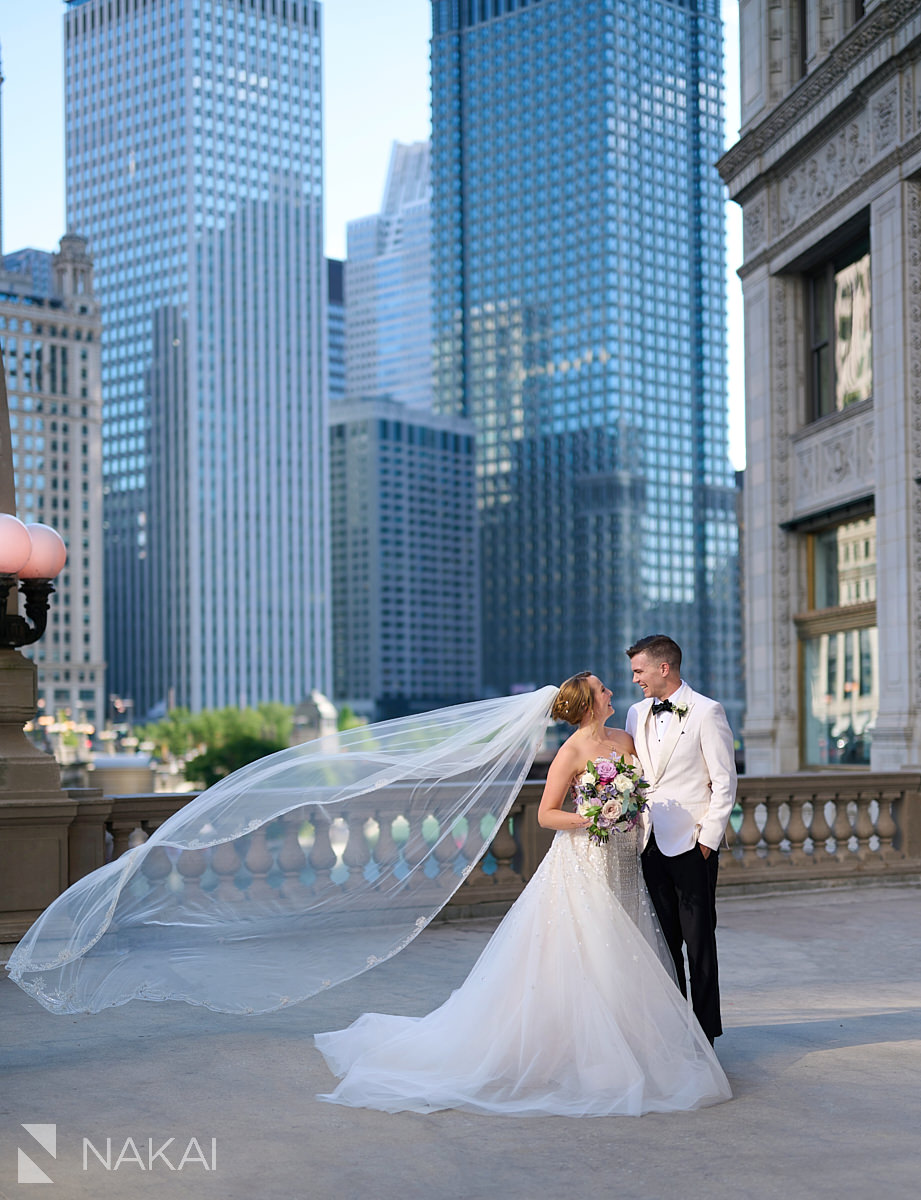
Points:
[(572, 1008)]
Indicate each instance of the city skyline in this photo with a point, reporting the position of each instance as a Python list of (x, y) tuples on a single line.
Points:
[(579, 322), (366, 47)]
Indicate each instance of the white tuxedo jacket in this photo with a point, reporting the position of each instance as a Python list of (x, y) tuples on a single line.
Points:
[(692, 778)]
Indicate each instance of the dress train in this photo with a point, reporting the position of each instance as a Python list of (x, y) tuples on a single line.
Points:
[(569, 1010)]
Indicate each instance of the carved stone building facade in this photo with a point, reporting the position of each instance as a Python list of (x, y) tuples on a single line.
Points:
[(827, 170), (50, 332)]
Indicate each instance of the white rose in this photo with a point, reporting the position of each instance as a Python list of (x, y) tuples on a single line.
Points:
[(623, 783), (586, 779)]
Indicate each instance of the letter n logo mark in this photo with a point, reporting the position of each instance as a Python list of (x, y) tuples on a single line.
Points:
[(47, 1138)]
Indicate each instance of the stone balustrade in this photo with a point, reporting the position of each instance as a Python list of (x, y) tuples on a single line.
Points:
[(818, 828), (787, 831)]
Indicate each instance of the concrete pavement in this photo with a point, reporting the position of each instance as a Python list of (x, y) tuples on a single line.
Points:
[(822, 1008)]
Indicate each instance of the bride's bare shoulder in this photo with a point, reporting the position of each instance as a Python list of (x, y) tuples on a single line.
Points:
[(572, 750), (622, 741)]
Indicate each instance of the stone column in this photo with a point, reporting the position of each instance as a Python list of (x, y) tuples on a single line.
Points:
[(771, 737), (895, 245)]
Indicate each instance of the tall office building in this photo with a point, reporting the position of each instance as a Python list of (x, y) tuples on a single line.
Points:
[(194, 167), (388, 285), (578, 267), (50, 333), (335, 329), (404, 558)]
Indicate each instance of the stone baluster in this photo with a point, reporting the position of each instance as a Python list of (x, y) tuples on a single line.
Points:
[(416, 846), (122, 833), (841, 830), (820, 829), (259, 861), (322, 856), (386, 851), (446, 852), (504, 847), (191, 866), (156, 867), (357, 852), (864, 827), (225, 862), (797, 829), (473, 844), (773, 831), (749, 835), (291, 857), (886, 826)]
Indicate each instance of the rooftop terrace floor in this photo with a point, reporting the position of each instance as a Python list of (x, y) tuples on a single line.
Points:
[(822, 1009)]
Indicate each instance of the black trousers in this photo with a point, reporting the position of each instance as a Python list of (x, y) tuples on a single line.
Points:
[(683, 892)]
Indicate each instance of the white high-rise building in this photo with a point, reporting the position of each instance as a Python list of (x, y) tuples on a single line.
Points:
[(194, 167), (388, 288)]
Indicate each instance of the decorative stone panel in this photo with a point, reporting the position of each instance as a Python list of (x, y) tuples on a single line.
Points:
[(823, 175), (913, 383), (781, 367), (755, 225), (884, 121), (834, 463)]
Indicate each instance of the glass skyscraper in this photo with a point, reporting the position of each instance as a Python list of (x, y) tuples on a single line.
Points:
[(388, 287), (194, 169), (579, 294)]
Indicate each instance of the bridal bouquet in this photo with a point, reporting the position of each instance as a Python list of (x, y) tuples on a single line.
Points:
[(610, 794)]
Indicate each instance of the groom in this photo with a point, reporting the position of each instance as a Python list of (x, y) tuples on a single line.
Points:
[(684, 744)]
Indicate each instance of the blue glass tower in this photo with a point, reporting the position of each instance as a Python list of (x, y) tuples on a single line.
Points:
[(578, 266), (194, 168)]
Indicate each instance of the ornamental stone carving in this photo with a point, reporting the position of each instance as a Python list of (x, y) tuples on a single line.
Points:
[(823, 175), (755, 225), (834, 463), (885, 118), (913, 300), (783, 584), (908, 104)]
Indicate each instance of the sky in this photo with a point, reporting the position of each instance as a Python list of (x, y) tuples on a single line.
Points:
[(376, 91)]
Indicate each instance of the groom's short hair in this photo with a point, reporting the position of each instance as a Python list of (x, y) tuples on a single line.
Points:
[(658, 648)]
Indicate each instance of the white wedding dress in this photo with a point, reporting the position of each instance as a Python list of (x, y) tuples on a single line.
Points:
[(568, 1011)]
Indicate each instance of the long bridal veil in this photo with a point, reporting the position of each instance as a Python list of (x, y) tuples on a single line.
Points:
[(293, 874)]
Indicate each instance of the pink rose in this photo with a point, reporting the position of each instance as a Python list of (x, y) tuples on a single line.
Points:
[(612, 811), (606, 770)]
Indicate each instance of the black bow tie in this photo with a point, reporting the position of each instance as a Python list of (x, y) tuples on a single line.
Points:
[(661, 706)]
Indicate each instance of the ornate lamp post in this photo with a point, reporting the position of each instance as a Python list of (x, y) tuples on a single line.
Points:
[(30, 555)]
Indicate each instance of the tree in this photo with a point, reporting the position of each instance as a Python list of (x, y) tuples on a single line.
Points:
[(349, 719), (214, 742)]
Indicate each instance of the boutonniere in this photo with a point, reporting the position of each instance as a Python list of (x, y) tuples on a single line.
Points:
[(680, 709)]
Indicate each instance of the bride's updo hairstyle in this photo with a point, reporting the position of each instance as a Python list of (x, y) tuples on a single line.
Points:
[(574, 699)]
